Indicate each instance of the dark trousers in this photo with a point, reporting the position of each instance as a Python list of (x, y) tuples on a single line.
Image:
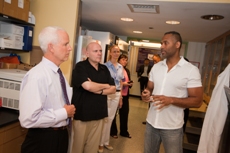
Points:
[(123, 114), (143, 83), (45, 141)]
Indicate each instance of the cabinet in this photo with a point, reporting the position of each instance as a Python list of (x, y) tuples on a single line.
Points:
[(193, 128), (16, 12), (11, 138), (217, 57)]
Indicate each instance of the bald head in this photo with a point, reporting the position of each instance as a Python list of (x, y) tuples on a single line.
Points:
[(94, 52)]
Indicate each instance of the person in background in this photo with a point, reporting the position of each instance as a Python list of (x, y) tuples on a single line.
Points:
[(42, 107), (156, 58), (114, 100), (91, 83), (174, 84), (143, 73), (124, 110)]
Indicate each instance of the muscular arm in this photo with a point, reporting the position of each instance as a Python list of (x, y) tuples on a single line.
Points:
[(194, 99)]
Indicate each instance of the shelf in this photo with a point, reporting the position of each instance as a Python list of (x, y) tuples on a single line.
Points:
[(9, 19), (191, 141), (194, 125)]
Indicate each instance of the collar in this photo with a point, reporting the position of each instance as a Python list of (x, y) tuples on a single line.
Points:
[(180, 63), (50, 64)]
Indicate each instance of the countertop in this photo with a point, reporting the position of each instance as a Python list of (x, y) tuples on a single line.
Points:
[(8, 116)]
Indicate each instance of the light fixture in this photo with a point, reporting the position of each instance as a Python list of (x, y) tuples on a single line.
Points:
[(173, 22), (146, 44), (145, 40), (137, 31), (144, 8), (127, 19), (212, 17)]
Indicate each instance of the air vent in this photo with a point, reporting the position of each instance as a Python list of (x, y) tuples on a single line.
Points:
[(144, 8)]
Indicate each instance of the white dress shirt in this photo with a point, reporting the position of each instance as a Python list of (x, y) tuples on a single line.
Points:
[(41, 103), (173, 83)]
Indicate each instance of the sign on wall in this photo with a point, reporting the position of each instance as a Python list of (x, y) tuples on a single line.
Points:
[(144, 53)]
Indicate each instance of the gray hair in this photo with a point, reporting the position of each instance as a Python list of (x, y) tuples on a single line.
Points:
[(48, 35)]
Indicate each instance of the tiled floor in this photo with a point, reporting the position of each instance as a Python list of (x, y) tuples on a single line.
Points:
[(137, 114)]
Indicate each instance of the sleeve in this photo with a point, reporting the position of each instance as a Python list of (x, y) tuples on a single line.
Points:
[(33, 97), (110, 79), (77, 79), (194, 78)]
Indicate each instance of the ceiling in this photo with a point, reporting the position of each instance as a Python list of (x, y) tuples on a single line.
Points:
[(104, 15)]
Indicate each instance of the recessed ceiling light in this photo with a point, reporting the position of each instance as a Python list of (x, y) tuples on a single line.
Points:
[(172, 22), (212, 17), (127, 19), (137, 32)]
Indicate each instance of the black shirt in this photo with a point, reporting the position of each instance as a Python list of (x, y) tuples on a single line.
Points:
[(89, 106)]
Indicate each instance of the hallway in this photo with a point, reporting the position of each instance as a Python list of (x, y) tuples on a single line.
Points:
[(137, 114)]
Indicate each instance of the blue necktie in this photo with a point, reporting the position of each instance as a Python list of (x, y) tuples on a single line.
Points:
[(62, 81)]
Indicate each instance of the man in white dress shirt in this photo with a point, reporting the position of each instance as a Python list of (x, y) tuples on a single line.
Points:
[(174, 84), (42, 107)]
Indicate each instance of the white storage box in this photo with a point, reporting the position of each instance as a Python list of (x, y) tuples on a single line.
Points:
[(6, 43), (16, 38), (11, 28), (10, 82)]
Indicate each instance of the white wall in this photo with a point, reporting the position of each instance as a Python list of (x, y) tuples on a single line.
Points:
[(195, 53)]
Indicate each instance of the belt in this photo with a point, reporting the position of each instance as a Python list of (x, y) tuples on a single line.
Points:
[(51, 128), (118, 90)]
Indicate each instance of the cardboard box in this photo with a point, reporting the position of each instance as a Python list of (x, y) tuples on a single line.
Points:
[(23, 9), (10, 7), (8, 66), (18, 9), (1, 5), (25, 67)]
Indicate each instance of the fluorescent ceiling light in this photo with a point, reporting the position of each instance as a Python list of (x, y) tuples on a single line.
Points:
[(137, 32), (145, 40), (172, 22), (147, 44), (127, 19)]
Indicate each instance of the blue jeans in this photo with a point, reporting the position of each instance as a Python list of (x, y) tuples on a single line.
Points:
[(171, 139)]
